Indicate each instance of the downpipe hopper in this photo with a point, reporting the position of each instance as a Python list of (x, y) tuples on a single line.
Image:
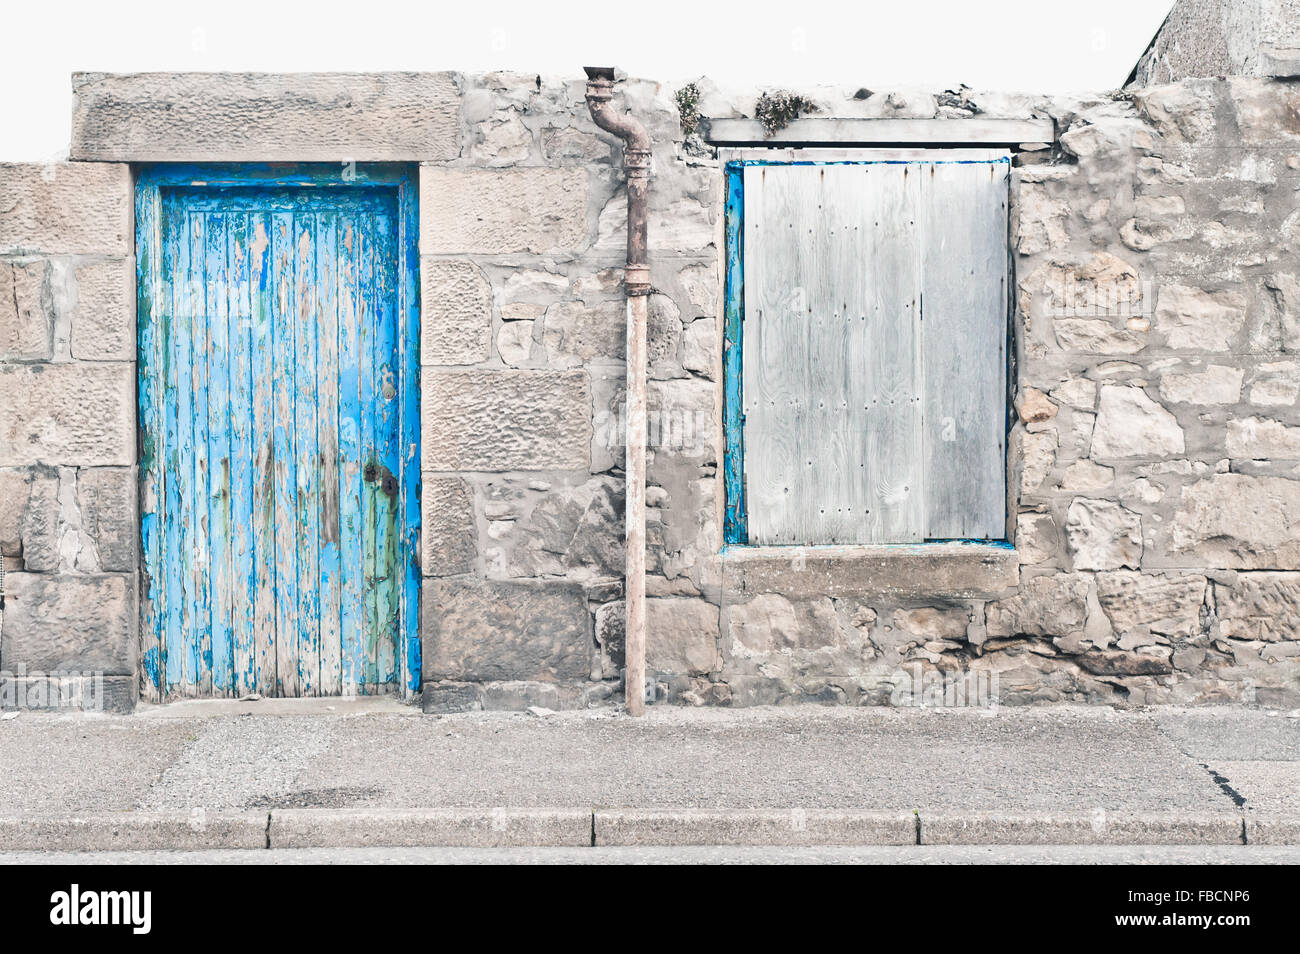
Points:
[(636, 165)]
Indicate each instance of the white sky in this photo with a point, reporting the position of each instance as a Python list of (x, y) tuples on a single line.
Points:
[(1038, 45)]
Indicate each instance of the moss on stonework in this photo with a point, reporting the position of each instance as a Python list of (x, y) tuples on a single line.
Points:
[(688, 107), (778, 109)]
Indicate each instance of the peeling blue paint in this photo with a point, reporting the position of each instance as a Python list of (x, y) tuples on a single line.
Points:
[(279, 417), (735, 529)]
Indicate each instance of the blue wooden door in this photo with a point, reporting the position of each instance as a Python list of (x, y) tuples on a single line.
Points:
[(279, 432)]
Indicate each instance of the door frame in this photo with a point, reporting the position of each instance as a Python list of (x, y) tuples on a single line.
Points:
[(150, 180)]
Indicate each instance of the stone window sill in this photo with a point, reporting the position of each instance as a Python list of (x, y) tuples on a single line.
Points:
[(953, 570)]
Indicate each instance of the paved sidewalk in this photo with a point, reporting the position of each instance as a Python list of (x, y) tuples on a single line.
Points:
[(317, 773), (694, 855)]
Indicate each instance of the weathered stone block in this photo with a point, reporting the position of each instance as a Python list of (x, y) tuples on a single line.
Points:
[(29, 519), (681, 636), (1042, 220), (456, 315), (1275, 384), (1237, 521), (1257, 437), (1130, 424), (1181, 112), (700, 347), (15, 493), (1116, 663), (515, 342), (1268, 112), (505, 420), (78, 623), (67, 208), (1138, 604), (1263, 606), (117, 694), (1037, 538), (102, 319), (67, 414), (677, 223), (106, 500), (682, 421), (1217, 384), (267, 117), (1103, 535), (611, 636), (477, 631), (1197, 320), (948, 570), (576, 334), (1038, 455), (446, 697), (770, 623), (499, 211), (447, 527), (1284, 290), (1053, 605), (26, 321), (568, 529), (1096, 336)]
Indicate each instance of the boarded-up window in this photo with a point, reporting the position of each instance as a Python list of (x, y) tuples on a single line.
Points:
[(867, 337)]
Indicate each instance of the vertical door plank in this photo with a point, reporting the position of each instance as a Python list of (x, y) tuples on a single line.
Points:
[(388, 452), (150, 311), (409, 325), (199, 566), (849, 390), (284, 466), (896, 494), (776, 375), (828, 267), (964, 321), (327, 383), (220, 595), (174, 635), (263, 340), (155, 311), (242, 455), (306, 454), (352, 612), (368, 320), (187, 659)]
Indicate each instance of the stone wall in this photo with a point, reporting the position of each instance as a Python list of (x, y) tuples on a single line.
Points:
[(1154, 466), (1154, 503), (523, 245), (67, 435)]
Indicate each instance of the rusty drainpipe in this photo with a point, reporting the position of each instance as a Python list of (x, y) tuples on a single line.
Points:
[(636, 163)]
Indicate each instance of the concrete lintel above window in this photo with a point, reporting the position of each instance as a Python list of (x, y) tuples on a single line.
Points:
[(850, 132), (953, 570)]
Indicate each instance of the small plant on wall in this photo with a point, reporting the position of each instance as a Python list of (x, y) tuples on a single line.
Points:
[(778, 109), (688, 107)]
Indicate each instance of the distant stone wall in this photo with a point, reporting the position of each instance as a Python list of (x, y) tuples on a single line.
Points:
[(1207, 38), (1154, 468)]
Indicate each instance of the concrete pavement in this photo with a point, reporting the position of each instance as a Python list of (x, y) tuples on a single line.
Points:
[(326, 774), (692, 854)]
